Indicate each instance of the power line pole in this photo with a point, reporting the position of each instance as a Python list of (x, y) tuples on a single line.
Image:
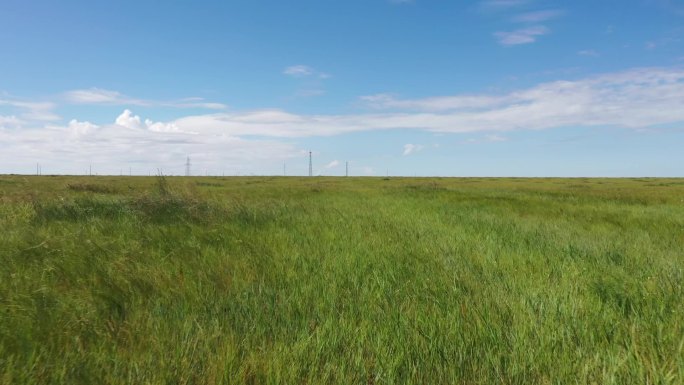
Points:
[(187, 167), (346, 168), (284, 169), (310, 165)]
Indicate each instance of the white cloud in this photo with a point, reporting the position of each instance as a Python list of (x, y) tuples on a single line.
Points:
[(521, 36), (635, 99), (128, 120), (386, 101), (98, 96), (303, 71), (81, 128), (298, 71), (33, 111), (412, 148), (332, 164), (70, 148), (10, 121), (537, 16), (588, 52), (495, 138)]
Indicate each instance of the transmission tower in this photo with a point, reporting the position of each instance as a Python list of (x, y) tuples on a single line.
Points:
[(310, 165), (187, 167)]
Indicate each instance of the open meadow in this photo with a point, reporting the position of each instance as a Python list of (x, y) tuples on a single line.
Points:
[(274, 280)]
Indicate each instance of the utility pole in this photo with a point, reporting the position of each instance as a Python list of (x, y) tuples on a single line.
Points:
[(310, 165), (284, 169), (90, 170), (187, 167), (346, 168)]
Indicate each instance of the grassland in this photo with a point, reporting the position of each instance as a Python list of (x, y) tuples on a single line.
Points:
[(111, 280)]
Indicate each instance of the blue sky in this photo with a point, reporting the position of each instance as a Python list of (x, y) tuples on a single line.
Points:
[(422, 87)]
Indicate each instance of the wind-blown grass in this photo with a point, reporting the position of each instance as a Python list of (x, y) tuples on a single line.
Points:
[(346, 281)]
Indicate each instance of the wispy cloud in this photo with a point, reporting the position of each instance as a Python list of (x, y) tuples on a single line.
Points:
[(298, 71), (33, 111), (537, 16), (588, 52), (332, 164), (389, 102), (521, 36), (495, 138), (636, 99), (101, 96), (303, 71), (10, 121), (410, 148), (95, 96)]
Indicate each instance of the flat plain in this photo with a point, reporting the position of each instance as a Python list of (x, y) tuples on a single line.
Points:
[(275, 280)]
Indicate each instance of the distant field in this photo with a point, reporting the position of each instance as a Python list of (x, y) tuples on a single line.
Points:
[(255, 280)]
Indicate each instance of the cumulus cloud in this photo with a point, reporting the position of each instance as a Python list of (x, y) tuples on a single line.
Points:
[(128, 120), (72, 147), (411, 148), (636, 99), (521, 36), (81, 128)]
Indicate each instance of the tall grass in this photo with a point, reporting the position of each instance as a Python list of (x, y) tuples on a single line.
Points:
[(324, 280)]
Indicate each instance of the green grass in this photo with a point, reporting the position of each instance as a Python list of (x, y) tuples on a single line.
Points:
[(246, 280)]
